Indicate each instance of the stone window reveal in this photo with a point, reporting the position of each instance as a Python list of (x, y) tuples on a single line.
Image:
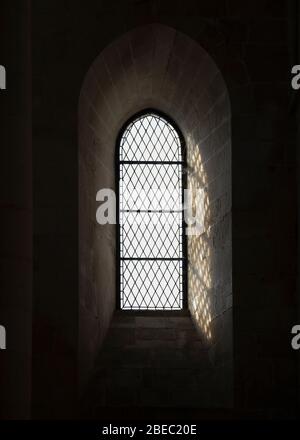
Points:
[(151, 228)]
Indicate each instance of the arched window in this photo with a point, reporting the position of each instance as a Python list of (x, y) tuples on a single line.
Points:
[(151, 238), (200, 104)]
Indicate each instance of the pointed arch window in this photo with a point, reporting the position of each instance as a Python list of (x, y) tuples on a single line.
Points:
[(151, 239)]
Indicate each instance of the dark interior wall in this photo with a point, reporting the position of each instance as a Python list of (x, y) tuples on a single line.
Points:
[(295, 112), (297, 38), (264, 203), (56, 79), (16, 211), (248, 40)]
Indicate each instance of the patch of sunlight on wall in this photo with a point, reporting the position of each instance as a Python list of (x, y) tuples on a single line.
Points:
[(199, 254)]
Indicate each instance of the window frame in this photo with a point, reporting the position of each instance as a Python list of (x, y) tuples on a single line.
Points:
[(124, 127)]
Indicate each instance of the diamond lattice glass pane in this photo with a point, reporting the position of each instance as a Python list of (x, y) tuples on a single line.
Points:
[(151, 218), (151, 235), (150, 138), (151, 284), (149, 186)]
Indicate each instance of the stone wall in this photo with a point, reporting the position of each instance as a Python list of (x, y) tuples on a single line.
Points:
[(248, 42), (158, 67), (150, 361)]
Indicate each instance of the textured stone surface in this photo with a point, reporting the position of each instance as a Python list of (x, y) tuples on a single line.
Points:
[(204, 118), (163, 363)]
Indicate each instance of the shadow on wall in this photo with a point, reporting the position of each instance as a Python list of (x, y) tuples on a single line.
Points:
[(155, 66)]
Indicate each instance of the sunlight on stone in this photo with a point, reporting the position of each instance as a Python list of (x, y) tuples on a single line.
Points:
[(199, 267)]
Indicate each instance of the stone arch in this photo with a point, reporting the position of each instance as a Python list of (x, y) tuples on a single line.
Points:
[(155, 66)]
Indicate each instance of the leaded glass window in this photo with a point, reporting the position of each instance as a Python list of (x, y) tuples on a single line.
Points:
[(151, 227)]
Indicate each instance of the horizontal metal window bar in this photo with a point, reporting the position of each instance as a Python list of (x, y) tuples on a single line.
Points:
[(160, 211), (150, 259), (150, 162)]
